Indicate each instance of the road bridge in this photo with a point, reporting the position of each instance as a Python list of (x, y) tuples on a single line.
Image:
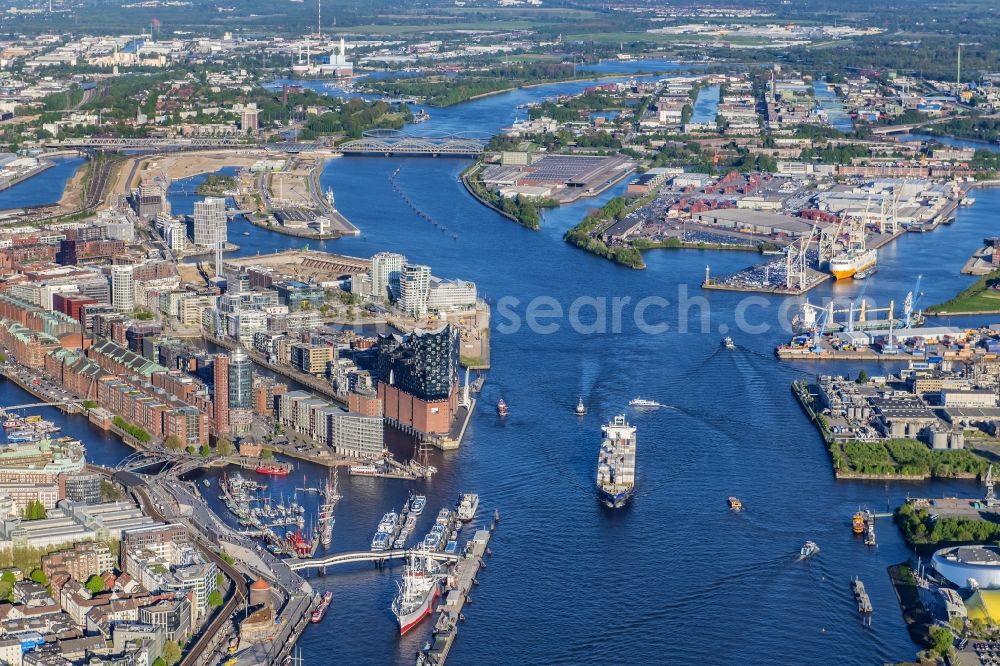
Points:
[(394, 142), (366, 556), (180, 143)]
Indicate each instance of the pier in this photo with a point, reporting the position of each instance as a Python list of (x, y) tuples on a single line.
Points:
[(457, 596)]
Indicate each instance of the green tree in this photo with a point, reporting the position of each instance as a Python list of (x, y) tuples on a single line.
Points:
[(171, 653), (34, 510), (159, 662), (215, 599), (224, 446), (267, 454), (941, 640), (95, 584), (174, 443), (204, 451), (39, 577), (862, 377)]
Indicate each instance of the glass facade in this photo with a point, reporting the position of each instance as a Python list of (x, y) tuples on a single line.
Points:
[(423, 364)]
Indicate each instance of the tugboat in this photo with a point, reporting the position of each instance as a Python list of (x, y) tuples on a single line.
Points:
[(581, 409), (728, 343), (735, 504), (501, 408), (809, 548)]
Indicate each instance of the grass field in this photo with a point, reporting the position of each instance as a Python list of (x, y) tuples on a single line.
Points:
[(980, 296)]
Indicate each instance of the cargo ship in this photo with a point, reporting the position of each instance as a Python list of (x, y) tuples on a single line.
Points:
[(317, 615), (846, 264), (274, 469), (419, 589), (616, 463)]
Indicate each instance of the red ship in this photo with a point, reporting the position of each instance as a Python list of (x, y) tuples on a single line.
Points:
[(274, 469), (299, 545)]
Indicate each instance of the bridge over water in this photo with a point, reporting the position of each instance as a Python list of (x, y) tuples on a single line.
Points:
[(366, 556), (395, 142)]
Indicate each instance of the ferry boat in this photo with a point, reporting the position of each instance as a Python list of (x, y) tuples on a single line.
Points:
[(274, 469), (417, 505), (363, 470), (809, 548), (467, 506), (380, 542), (418, 590), (735, 504), (846, 264), (642, 402), (581, 409), (501, 408), (317, 615), (728, 343), (616, 463), (858, 523), (421, 116)]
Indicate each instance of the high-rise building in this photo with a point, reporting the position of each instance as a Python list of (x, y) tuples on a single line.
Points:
[(414, 283), (240, 380), (122, 290), (248, 119), (220, 377), (210, 222), (418, 379), (386, 267)]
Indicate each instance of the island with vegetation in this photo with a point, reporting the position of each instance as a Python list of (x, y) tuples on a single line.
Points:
[(521, 209), (215, 185), (926, 531)]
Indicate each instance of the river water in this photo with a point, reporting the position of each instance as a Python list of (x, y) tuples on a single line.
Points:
[(45, 188), (675, 576)]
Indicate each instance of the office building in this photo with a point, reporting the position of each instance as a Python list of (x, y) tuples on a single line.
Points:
[(220, 402)]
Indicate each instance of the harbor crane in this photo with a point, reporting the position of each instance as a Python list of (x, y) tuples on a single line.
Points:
[(910, 303)]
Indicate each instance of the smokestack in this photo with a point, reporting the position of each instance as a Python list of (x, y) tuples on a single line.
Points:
[(343, 48)]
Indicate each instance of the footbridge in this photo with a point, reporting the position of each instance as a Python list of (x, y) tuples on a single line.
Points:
[(367, 556), (13, 408), (142, 460), (394, 142)]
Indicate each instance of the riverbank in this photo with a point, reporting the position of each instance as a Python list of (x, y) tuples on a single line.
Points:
[(887, 460), (524, 215), (981, 297)]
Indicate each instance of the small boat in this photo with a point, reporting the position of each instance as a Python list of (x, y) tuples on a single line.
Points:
[(246, 233), (858, 523), (467, 505), (501, 408), (417, 505), (581, 409), (363, 470), (642, 402), (735, 504), (317, 615), (968, 201), (865, 274), (728, 343), (809, 548), (206, 483), (421, 116), (451, 548)]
